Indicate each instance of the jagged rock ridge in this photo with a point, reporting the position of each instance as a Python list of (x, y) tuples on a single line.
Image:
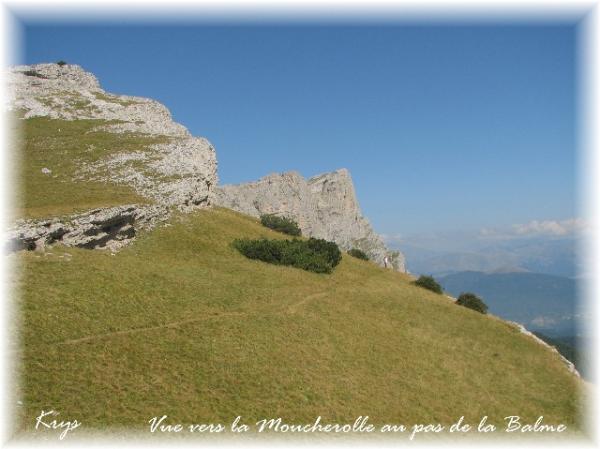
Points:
[(179, 173), (324, 206)]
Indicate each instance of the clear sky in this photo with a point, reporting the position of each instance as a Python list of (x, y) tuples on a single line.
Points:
[(442, 127)]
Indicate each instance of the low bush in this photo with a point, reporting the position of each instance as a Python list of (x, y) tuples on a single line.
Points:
[(359, 254), (316, 255), (472, 301), (61, 63), (330, 250), (429, 283), (281, 224)]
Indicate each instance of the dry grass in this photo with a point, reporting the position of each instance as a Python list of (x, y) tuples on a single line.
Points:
[(180, 323)]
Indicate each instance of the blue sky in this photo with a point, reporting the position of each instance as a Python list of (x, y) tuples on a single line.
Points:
[(442, 126)]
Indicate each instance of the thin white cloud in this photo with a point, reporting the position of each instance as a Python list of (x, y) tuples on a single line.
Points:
[(466, 240), (551, 227), (534, 228)]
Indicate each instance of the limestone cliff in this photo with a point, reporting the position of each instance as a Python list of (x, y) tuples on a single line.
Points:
[(324, 206), (178, 172)]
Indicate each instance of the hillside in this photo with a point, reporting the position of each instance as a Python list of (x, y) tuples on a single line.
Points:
[(180, 323), (131, 301), (541, 302)]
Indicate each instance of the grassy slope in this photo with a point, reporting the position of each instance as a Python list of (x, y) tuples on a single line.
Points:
[(62, 146), (216, 335)]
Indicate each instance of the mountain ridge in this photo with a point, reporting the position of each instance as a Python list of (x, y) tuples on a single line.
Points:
[(177, 172)]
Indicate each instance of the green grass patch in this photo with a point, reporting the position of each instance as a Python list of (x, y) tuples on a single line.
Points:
[(69, 100), (114, 99), (63, 146), (180, 323)]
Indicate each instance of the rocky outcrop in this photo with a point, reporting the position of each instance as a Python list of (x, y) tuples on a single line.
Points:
[(180, 171), (109, 228), (70, 93), (324, 206)]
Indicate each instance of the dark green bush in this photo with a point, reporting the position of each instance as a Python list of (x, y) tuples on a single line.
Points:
[(281, 224), (330, 250), (429, 283), (61, 63), (359, 254), (317, 255), (472, 301)]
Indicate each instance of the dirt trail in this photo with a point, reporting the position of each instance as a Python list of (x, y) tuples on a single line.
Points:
[(293, 308), (150, 328)]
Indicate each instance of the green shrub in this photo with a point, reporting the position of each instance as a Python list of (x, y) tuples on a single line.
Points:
[(317, 255), (61, 63), (429, 283), (330, 250), (359, 254), (281, 224), (472, 301)]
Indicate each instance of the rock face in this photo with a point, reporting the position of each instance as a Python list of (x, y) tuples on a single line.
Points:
[(324, 206), (179, 172)]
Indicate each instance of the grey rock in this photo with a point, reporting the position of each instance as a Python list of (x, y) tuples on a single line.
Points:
[(180, 173), (324, 206), (110, 228), (70, 93)]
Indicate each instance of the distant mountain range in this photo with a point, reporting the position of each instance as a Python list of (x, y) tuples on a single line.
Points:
[(541, 302), (555, 256)]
